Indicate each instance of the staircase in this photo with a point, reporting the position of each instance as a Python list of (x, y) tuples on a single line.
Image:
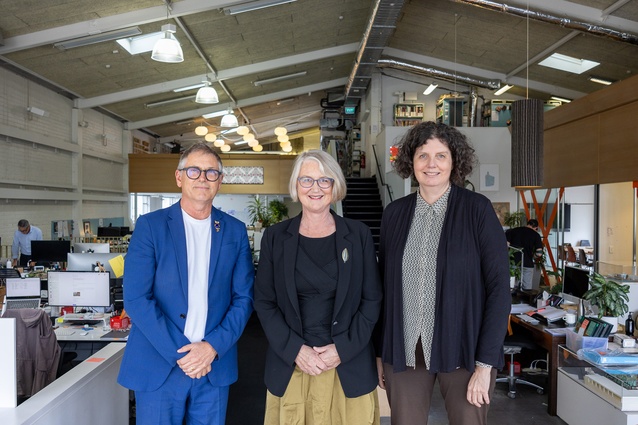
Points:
[(363, 203)]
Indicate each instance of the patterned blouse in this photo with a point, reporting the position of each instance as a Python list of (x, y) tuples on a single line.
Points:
[(419, 276)]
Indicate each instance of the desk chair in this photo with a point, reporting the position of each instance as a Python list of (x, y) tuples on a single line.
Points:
[(571, 255), (583, 260), (514, 345)]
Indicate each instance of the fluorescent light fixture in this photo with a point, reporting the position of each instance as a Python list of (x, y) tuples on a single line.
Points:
[(37, 111), (168, 49), (430, 89), (280, 78), (288, 100), (97, 38), (215, 114), (568, 64), (599, 80), (241, 142), (560, 99), (193, 87), (254, 5), (140, 44), (502, 90), (169, 101)]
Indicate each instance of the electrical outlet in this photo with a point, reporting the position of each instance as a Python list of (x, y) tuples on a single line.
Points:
[(611, 249)]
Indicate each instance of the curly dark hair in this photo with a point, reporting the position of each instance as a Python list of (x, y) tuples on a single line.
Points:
[(463, 156)]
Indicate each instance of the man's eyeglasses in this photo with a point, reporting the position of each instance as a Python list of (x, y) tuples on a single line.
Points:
[(322, 182), (193, 173)]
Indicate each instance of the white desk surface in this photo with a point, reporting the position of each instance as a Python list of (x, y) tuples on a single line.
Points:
[(93, 335)]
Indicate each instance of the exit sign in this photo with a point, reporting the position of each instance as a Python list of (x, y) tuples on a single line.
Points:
[(349, 110)]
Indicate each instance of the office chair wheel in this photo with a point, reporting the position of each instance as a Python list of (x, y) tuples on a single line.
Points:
[(511, 394), (540, 391)]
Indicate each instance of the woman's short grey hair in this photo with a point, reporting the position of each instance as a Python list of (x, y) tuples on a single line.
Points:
[(328, 166), (199, 147)]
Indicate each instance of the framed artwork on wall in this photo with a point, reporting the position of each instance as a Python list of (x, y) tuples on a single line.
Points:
[(489, 178), (501, 208)]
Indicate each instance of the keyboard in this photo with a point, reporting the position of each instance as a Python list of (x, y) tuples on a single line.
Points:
[(13, 304), (64, 332)]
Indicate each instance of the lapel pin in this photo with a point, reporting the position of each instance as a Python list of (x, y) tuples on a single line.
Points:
[(344, 255), (217, 226)]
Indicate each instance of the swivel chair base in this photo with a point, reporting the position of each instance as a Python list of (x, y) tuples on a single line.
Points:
[(512, 379)]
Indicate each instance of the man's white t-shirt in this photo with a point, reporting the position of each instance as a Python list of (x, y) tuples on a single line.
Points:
[(198, 242)]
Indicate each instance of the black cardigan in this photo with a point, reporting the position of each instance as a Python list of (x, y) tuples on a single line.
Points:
[(472, 284)]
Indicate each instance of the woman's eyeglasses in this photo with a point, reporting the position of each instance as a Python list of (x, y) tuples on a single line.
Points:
[(322, 182), (193, 173)]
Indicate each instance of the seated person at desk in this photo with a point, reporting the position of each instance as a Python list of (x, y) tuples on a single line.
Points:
[(528, 239)]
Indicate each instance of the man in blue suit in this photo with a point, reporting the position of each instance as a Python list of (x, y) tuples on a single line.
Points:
[(188, 288)]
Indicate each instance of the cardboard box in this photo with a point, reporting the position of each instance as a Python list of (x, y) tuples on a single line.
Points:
[(575, 342)]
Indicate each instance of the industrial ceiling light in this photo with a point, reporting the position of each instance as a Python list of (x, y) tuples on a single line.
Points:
[(201, 130), (242, 130), (430, 89), (98, 38), (568, 63), (502, 90), (225, 148), (210, 137), (167, 49), (254, 5), (280, 131), (280, 78), (599, 80), (207, 94), (229, 120)]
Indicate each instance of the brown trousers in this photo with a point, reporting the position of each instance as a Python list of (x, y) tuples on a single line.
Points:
[(410, 393)]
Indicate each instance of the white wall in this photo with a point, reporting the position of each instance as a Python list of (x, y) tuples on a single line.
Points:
[(53, 169), (616, 231)]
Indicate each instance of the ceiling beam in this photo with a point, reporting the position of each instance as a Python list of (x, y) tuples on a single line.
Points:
[(109, 23), (134, 125), (240, 71)]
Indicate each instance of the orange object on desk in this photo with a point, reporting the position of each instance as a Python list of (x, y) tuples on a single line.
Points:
[(118, 322)]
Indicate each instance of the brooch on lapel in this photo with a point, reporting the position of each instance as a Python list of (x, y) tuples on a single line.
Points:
[(344, 255), (217, 226)]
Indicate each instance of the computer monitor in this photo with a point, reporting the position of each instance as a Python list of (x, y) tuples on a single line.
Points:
[(80, 289), (50, 251), (88, 261), (104, 232), (85, 247), (575, 283)]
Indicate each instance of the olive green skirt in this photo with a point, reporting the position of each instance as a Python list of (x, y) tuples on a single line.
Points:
[(319, 400)]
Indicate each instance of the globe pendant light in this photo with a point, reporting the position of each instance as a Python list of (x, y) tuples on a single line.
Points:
[(253, 143), (201, 130), (168, 49), (219, 143), (283, 138), (242, 130), (258, 148), (229, 120), (210, 137), (249, 137), (225, 148), (280, 131)]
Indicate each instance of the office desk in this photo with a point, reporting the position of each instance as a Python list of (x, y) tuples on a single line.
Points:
[(549, 342), (84, 345)]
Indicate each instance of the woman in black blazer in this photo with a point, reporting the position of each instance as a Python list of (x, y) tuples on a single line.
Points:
[(318, 296)]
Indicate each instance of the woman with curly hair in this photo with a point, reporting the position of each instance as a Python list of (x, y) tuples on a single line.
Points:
[(444, 263)]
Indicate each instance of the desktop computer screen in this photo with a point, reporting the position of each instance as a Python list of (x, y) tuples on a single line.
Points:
[(88, 261), (575, 283), (50, 251), (84, 247), (81, 289)]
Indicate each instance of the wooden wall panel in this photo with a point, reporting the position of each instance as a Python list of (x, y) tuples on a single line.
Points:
[(618, 154), (156, 173), (570, 154)]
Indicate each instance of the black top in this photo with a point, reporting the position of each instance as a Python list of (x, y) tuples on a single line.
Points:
[(316, 275), (526, 238)]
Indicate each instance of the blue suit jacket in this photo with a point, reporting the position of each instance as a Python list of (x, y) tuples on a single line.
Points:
[(156, 297)]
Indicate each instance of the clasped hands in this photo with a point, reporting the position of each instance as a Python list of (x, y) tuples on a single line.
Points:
[(197, 363), (315, 360)]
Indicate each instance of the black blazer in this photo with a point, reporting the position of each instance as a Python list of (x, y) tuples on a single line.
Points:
[(356, 310)]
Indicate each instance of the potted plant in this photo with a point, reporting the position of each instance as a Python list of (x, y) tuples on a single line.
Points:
[(278, 211), (258, 213), (610, 297), (515, 268), (514, 219)]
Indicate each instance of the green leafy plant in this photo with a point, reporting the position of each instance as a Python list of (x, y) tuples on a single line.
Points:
[(514, 219), (266, 215), (515, 266), (610, 297)]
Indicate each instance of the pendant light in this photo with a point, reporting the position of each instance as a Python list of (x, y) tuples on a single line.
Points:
[(249, 137), (207, 94), (225, 148), (242, 130), (258, 148), (210, 137), (283, 138), (168, 49), (201, 130), (229, 120), (280, 131), (219, 143)]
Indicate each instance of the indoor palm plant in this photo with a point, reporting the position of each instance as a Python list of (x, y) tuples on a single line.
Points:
[(610, 297)]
